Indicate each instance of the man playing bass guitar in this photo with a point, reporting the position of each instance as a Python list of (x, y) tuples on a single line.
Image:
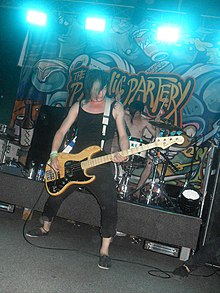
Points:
[(88, 114)]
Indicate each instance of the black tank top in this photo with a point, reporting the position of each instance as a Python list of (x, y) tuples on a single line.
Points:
[(90, 130)]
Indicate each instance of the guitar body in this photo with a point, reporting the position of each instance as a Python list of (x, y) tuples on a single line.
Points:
[(71, 171)]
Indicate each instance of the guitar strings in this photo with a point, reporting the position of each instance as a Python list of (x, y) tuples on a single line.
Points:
[(76, 166), (70, 167)]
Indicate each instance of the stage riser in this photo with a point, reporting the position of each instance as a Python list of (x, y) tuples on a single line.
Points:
[(143, 221)]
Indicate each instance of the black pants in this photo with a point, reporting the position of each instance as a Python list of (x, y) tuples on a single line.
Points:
[(104, 190)]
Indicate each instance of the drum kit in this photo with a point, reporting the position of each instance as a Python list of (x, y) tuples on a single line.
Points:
[(153, 191)]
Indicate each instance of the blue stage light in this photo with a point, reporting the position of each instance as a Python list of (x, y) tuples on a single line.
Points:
[(95, 24), (168, 34), (36, 17)]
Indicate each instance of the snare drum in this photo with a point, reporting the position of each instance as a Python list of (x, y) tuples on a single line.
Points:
[(136, 142)]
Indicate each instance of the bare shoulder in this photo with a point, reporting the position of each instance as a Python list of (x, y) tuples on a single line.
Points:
[(75, 106), (118, 110), (70, 118), (118, 106), (127, 116), (74, 109)]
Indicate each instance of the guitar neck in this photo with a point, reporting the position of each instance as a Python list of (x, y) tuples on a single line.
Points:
[(161, 142), (108, 158)]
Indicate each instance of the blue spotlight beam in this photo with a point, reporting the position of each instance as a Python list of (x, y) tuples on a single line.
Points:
[(95, 24), (36, 17), (169, 34)]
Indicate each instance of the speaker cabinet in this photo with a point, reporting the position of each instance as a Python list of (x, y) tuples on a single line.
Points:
[(152, 224), (49, 120)]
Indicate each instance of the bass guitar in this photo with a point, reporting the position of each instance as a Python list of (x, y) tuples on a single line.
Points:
[(73, 167)]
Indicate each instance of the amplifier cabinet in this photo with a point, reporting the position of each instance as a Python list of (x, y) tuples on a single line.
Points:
[(2, 149), (8, 151), (153, 224)]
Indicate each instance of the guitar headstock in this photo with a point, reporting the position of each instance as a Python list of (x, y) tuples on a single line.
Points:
[(167, 141)]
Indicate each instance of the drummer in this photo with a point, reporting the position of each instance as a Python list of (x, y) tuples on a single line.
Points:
[(137, 123), (140, 128)]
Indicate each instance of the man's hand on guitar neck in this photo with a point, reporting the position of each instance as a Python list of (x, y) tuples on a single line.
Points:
[(117, 158)]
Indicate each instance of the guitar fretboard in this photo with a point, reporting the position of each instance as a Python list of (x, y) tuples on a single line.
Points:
[(161, 142)]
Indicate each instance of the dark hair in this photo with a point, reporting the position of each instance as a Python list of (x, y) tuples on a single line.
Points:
[(135, 107), (92, 76)]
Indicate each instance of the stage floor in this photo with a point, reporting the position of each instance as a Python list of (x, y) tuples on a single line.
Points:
[(66, 262)]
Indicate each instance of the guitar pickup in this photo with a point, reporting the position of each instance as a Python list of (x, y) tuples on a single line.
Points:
[(51, 175)]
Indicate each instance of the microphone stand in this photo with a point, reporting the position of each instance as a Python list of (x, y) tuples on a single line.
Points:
[(189, 174), (162, 181)]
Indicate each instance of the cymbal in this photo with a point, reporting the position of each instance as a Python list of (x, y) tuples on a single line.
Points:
[(165, 124)]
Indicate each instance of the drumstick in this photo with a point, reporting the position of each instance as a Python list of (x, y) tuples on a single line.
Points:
[(159, 113)]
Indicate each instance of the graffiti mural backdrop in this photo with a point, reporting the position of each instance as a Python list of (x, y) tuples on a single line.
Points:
[(179, 81)]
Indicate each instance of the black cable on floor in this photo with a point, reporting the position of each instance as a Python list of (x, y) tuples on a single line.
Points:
[(166, 275), (155, 271)]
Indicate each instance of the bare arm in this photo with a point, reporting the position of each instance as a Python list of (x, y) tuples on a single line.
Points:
[(118, 113), (61, 132), (154, 131), (67, 123)]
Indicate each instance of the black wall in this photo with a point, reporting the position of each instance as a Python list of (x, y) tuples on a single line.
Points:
[(211, 217), (213, 230)]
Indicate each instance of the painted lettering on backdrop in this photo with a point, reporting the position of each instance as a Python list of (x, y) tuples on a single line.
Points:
[(75, 86), (154, 90)]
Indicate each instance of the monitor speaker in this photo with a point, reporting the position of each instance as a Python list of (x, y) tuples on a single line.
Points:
[(49, 120)]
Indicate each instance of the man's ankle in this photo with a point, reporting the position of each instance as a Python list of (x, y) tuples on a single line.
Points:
[(44, 230)]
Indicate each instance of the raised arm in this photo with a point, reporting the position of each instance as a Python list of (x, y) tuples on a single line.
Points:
[(118, 114), (154, 131)]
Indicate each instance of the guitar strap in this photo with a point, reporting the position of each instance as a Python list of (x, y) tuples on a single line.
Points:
[(105, 120)]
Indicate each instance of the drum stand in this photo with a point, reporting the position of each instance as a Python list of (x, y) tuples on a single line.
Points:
[(123, 183), (157, 194)]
